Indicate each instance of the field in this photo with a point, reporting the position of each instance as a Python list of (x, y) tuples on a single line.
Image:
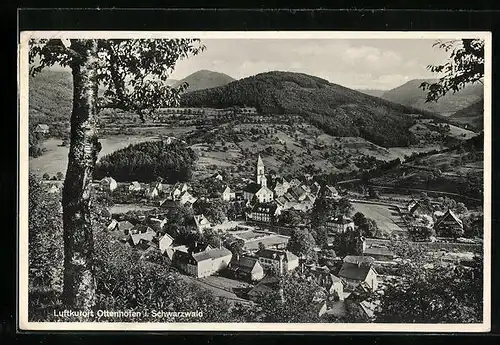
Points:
[(387, 217), (55, 158)]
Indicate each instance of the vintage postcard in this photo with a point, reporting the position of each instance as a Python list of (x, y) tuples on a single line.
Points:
[(254, 181)]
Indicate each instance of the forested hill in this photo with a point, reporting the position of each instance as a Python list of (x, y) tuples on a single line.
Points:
[(473, 115), (147, 161), (410, 94), (335, 109)]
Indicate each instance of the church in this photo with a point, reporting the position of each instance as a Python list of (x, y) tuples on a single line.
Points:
[(259, 189)]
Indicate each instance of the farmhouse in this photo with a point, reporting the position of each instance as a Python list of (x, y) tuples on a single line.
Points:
[(279, 260), (108, 184), (204, 263), (186, 199), (449, 225), (247, 268), (331, 283), (419, 208)]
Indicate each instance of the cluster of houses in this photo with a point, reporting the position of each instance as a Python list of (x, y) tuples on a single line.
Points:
[(427, 214)]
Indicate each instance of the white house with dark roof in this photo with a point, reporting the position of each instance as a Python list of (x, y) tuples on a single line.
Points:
[(279, 260), (246, 267), (228, 194), (356, 272), (265, 212), (331, 192), (165, 242), (201, 222), (340, 224), (204, 263), (108, 184)]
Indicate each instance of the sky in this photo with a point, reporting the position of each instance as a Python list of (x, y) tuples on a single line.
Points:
[(355, 63)]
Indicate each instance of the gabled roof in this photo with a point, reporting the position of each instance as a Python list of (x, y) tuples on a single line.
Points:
[(200, 220), (243, 264), (136, 184), (331, 189), (267, 284), (125, 225), (143, 228), (378, 251), (252, 188), (145, 236), (211, 254), (354, 272), (420, 205), (108, 180), (449, 215), (274, 254), (340, 220)]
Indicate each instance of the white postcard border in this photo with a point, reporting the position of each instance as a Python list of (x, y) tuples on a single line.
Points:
[(23, 173)]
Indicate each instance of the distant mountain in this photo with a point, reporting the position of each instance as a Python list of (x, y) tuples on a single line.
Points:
[(411, 94), (205, 79), (335, 109), (372, 92), (473, 115)]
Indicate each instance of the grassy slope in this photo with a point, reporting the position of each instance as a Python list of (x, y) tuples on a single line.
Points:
[(473, 115)]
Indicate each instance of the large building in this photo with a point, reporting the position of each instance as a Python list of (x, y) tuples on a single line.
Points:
[(279, 260), (204, 263)]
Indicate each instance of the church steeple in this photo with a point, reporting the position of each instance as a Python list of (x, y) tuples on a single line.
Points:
[(261, 177)]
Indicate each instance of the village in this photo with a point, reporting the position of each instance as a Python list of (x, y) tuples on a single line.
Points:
[(240, 251)]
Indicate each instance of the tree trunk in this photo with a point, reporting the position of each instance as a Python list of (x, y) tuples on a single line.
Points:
[(79, 278)]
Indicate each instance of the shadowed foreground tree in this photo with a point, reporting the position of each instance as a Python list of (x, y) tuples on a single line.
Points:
[(464, 66), (133, 74)]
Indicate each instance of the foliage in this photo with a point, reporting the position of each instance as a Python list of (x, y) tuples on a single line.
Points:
[(236, 247), (302, 243), (336, 110), (293, 301), (147, 161), (464, 66), (292, 217), (431, 292), (215, 210), (45, 244), (473, 225)]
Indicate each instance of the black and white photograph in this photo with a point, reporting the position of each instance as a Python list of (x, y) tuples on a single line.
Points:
[(279, 181)]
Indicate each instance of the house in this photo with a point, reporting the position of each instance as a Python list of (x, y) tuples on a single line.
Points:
[(113, 225), (42, 128), (298, 193), (165, 242), (377, 252), (278, 260), (355, 273), (420, 208), (142, 240), (361, 305), (108, 184), (331, 192), (125, 226), (267, 284), (217, 176), (157, 224), (267, 212), (315, 188), (332, 284), (246, 268), (227, 194), (204, 263), (340, 224), (411, 204), (177, 190), (53, 189), (281, 187), (186, 199), (152, 192), (449, 225), (169, 251), (134, 187), (201, 222)]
